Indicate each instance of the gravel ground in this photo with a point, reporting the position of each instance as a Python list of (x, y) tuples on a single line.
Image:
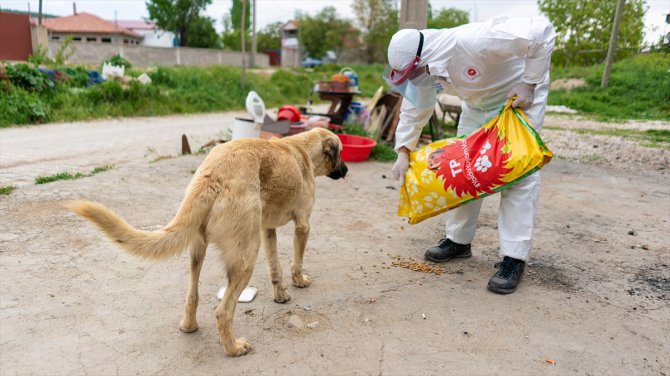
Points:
[(603, 150), (595, 299)]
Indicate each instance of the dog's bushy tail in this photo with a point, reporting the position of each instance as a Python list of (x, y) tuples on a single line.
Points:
[(157, 245)]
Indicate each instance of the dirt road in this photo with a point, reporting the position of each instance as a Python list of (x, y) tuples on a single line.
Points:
[(595, 299)]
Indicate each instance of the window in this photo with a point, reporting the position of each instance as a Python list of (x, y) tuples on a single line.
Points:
[(106, 40), (91, 39), (77, 39), (55, 37)]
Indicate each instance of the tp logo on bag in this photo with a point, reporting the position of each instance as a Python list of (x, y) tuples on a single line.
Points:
[(472, 166)]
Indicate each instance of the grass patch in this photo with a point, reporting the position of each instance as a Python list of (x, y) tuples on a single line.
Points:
[(101, 169), (7, 189), (174, 90), (658, 138), (69, 176), (383, 152), (639, 88), (162, 157)]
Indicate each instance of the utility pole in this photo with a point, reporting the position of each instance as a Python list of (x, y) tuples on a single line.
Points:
[(413, 14), (253, 35), (39, 14), (244, 49), (612, 46)]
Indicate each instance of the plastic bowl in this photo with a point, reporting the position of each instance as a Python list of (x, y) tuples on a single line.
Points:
[(356, 148), (297, 127), (288, 112)]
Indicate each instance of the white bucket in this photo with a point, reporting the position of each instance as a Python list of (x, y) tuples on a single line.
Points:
[(246, 128)]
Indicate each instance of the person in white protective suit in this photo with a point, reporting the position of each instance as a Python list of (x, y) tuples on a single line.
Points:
[(485, 64)]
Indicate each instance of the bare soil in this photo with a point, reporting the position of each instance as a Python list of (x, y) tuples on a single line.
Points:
[(595, 299)]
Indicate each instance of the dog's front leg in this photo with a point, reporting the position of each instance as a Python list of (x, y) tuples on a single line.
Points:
[(280, 291), (299, 243)]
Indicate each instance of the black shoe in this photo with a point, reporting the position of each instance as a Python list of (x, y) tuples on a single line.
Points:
[(446, 250), (508, 275)]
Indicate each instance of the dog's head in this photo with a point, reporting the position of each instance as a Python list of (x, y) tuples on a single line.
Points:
[(327, 160), (332, 148)]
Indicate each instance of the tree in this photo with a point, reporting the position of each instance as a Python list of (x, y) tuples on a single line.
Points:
[(232, 33), (378, 20), (447, 18), (177, 15), (202, 33), (324, 32), (583, 29), (232, 40), (270, 37)]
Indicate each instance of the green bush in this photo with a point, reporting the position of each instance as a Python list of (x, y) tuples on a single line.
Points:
[(28, 77), (22, 107), (119, 61), (76, 76)]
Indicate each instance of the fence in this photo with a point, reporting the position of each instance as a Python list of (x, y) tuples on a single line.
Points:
[(145, 56)]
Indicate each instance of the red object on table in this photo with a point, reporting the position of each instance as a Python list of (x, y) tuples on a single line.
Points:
[(288, 112), (355, 148)]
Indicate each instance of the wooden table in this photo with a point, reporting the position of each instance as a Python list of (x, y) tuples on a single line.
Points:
[(339, 104)]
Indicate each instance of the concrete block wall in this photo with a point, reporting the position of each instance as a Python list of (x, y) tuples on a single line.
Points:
[(145, 56)]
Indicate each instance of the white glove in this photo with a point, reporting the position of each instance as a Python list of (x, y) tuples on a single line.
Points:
[(400, 167), (525, 93)]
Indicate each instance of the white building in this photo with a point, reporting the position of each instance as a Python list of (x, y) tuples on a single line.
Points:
[(153, 36)]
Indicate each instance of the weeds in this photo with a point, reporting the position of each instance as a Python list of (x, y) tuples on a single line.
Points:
[(69, 176), (162, 157), (384, 153), (639, 88), (7, 189)]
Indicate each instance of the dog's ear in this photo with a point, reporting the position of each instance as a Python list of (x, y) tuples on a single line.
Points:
[(332, 151)]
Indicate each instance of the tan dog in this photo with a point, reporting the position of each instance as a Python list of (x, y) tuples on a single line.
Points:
[(239, 195)]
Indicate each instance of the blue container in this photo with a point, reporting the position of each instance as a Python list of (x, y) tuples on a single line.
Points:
[(353, 78)]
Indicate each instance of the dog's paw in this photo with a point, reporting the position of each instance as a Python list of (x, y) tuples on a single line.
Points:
[(239, 348), (301, 280), (282, 295), (188, 326)]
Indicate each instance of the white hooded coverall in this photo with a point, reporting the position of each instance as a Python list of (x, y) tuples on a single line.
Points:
[(480, 63)]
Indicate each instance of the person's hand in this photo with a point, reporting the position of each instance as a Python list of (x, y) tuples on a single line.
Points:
[(400, 166), (525, 93)]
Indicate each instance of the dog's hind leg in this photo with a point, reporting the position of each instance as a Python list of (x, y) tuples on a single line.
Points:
[(299, 243), (197, 252), (239, 239), (239, 274), (280, 291)]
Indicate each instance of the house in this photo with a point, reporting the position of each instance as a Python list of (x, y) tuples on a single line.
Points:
[(153, 36), (88, 28), (292, 51), (290, 44)]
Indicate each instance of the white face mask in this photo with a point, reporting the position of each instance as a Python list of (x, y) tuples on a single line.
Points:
[(419, 89)]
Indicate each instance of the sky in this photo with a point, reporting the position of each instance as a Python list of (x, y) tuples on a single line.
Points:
[(270, 11)]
